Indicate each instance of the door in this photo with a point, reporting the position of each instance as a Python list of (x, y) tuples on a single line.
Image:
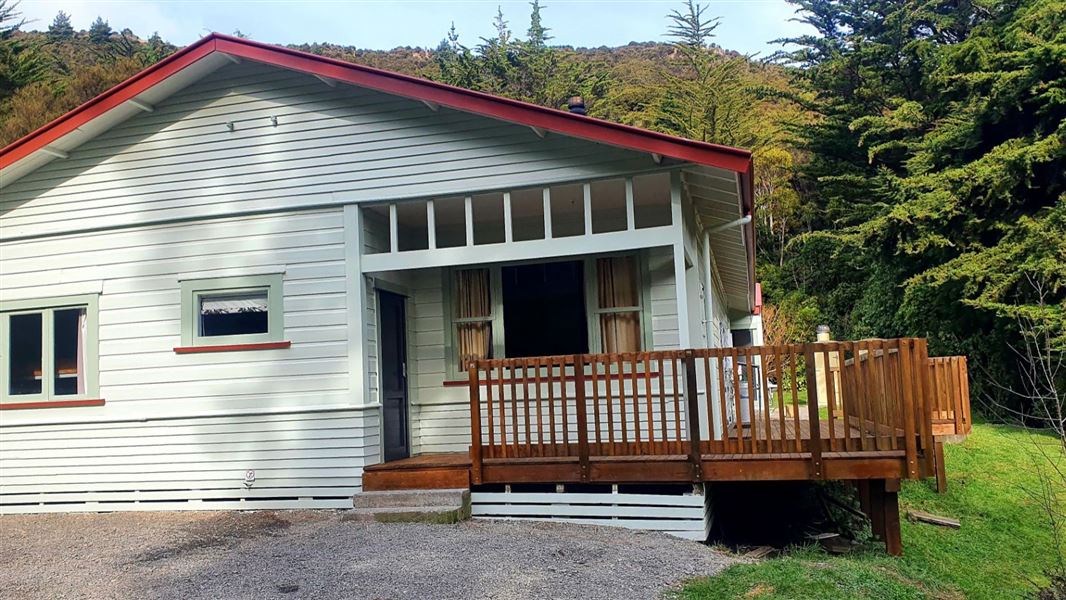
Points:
[(393, 365)]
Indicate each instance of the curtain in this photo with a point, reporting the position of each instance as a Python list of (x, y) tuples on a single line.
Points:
[(619, 288), (473, 300), (82, 329)]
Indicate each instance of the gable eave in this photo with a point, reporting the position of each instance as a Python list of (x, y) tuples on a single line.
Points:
[(197, 60)]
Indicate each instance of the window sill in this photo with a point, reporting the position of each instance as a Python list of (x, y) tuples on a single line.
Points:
[(51, 404), (232, 347)]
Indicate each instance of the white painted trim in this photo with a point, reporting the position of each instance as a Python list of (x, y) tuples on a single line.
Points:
[(508, 227), (355, 305), (677, 234), (658, 158), (54, 152), (433, 106), (615, 241), (539, 131), (326, 80), (631, 212), (142, 105), (468, 208), (233, 59), (233, 272), (7, 424), (394, 230), (586, 193), (431, 224), (547, 214)]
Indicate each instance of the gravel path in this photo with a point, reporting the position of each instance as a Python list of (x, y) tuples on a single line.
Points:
[(322, 555)]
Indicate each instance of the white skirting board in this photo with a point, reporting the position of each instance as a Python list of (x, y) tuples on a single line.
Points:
[(686, 516), (196, 505)]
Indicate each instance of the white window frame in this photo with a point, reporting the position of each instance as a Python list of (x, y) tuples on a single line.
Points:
[(592, 310), (47, 307), (193, 290)]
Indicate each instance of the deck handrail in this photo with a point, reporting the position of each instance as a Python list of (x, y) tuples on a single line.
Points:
[(590, 411)]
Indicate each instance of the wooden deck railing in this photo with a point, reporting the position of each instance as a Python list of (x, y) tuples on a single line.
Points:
[(594, 417), (950, 397)]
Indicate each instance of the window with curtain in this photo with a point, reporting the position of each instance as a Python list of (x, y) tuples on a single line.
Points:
[(618, 307), (48, 353), (472, 302)]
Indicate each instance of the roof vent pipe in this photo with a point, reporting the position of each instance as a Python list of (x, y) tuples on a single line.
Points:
[(576, 105)]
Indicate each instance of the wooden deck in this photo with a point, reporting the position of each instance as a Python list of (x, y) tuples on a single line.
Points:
[(672, 416)]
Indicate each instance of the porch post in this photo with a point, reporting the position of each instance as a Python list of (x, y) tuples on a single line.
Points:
[(475, 423), (355, 305), (680, 283)]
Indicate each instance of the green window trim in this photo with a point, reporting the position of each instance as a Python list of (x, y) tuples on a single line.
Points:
[(47, 307), (192, 290), (592, 310)]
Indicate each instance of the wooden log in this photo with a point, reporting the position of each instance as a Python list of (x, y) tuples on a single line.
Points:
[(924, 517)]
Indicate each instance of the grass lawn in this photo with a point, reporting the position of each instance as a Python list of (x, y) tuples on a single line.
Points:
[(1003, 545)]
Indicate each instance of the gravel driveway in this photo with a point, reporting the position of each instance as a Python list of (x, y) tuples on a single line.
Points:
[(321, 555)]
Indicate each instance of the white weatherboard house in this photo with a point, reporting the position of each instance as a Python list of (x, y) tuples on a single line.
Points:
[(247, 273)]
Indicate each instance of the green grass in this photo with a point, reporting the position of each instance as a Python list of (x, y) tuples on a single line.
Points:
[(1004, 544)]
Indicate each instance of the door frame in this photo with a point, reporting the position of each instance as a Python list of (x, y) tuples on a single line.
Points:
[(378, 286)]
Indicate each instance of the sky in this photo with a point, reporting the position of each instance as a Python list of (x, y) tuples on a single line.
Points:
[(747, 25)]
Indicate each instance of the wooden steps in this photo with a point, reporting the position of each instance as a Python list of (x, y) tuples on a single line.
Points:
[(424, 472)]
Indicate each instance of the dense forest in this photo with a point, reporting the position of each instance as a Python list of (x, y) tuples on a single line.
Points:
[(910, 157)]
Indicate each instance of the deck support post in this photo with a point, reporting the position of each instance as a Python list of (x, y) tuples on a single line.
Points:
[(475, 423), (892, 536), (692, 419), (817, 472), (938, 465), (582, 416), (883, 510)]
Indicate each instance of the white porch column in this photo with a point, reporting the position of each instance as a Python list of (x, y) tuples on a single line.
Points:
[(355, 306), (681, 286)]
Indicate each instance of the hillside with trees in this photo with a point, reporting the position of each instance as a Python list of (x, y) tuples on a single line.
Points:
[(909, 155)]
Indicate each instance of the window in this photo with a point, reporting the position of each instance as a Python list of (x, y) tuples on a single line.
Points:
[(231, 310), (472, 315), (546, 309), (618, 307), (48, 350)]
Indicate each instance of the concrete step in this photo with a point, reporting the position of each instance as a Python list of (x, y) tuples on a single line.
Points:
[(412, 498), (411, 514)]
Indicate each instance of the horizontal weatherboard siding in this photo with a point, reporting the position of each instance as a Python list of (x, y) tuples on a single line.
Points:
[(330, 145)]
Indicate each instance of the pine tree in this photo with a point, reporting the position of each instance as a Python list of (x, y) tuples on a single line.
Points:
[(538, 34), (61, 29), (100, 31), (10, 19)]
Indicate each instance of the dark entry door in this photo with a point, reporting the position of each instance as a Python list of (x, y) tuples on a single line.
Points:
[(393, 365)]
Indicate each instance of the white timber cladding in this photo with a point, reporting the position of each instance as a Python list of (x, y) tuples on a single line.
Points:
[(194, 424), (331, 145), (255, 172)]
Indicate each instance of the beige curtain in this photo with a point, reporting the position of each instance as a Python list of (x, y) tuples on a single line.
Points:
[(619, 288), (473, 300)]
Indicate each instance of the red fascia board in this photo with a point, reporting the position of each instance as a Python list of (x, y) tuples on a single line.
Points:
[(506, 109), (106, 101)]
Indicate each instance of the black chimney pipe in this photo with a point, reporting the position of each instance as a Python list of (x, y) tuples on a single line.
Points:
[(576, 104)]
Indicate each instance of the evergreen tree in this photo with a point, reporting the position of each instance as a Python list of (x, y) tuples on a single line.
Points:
[(61, 29), (100, 32), (10, 19), (538, 34), (937, 171)]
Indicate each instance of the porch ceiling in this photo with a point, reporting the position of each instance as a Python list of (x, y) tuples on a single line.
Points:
[(716, 201)]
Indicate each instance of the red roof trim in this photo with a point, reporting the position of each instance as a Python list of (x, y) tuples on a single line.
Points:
[(589, 128), (106, 101)]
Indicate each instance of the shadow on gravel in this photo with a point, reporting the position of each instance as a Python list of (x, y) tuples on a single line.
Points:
[(225, 529)]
